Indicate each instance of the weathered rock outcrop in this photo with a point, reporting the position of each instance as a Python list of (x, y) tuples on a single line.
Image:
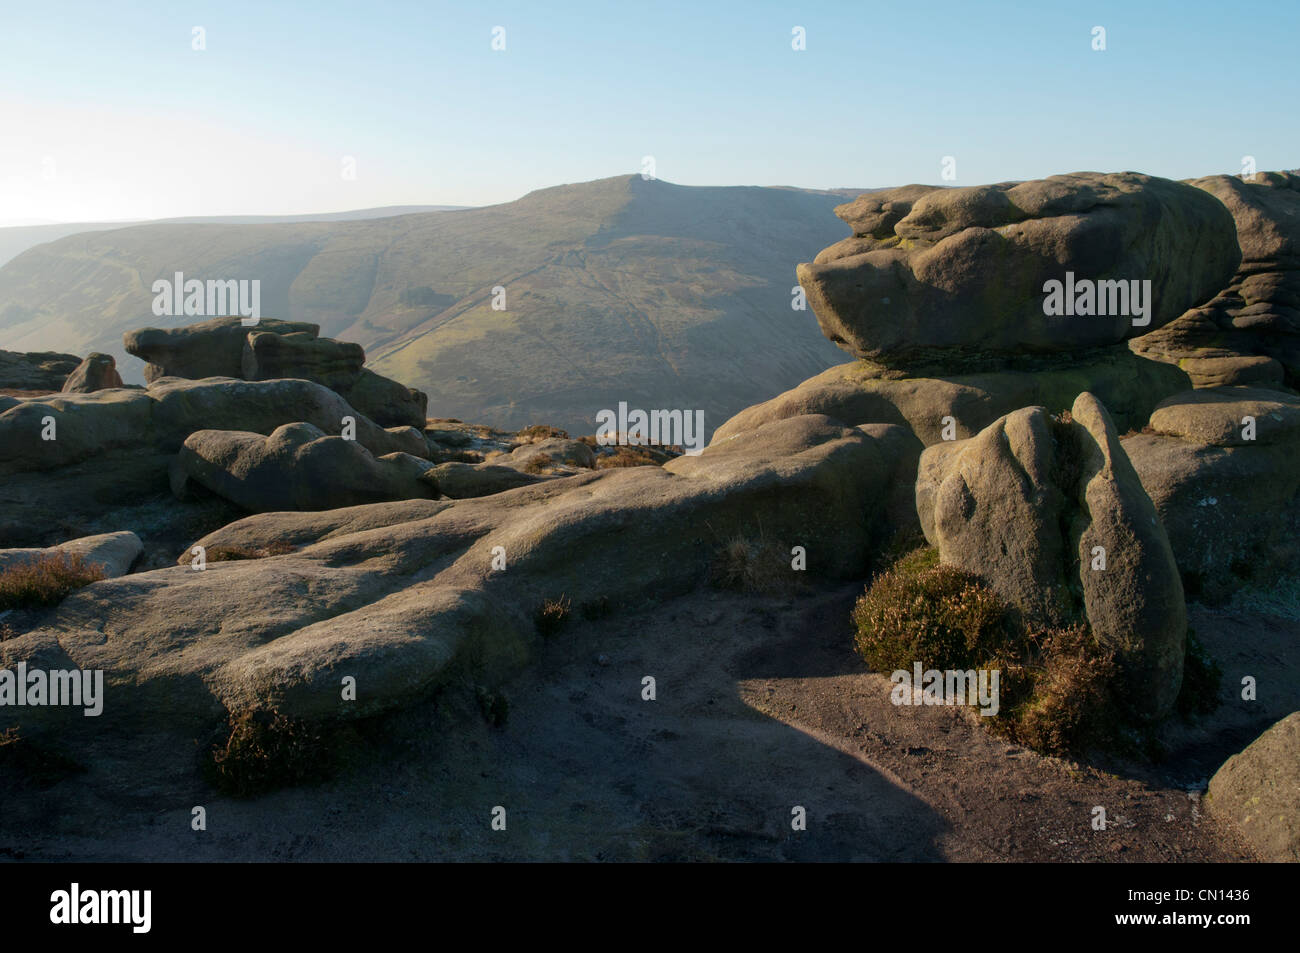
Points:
[(385, 401), (208, 349), (1258, 790), (461, 481), (1031, 503), (1257, 314), (554, 451), (1230, 417), (224, 347), (400, 595), (80, 426), (862, 392), (946, 274), (36, 370), (1227, 491), (72, 456), (111, 553), (297, 467), (96, 372), (941, 294), (268, 355)]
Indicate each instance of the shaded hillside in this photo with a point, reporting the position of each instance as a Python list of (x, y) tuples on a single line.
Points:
[(618, 289)]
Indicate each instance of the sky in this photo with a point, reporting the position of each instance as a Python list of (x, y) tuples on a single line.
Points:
[(109, 112)]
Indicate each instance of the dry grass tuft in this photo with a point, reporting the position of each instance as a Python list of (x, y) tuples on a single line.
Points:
[(1057, 685), (551, 616), (626, 456), (542, 432), (229, 553), (45, 580), (265, 750), (539, 463), (753, 565)]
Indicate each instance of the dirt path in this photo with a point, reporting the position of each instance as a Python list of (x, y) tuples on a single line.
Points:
[(760, 708)]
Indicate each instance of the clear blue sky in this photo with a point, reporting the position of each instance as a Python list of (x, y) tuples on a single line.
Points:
[(106, 112)]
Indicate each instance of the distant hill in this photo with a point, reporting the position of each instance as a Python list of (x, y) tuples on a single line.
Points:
[(14, 240), (661, 295)]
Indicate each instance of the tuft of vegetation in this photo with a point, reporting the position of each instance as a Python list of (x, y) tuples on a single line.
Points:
[(539, 463), (1056, 684), (628, 456), (920, 611), (752, 565), (45, 580), (542, 432), (218, 554), (1058, 693), (456, 456), (265, 750), (551, 616), (1135, 431)]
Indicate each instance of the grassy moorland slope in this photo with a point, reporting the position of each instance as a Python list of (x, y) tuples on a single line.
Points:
[(618, 289)]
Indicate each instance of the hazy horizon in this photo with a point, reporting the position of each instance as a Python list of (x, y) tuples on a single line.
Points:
[(117, 115)]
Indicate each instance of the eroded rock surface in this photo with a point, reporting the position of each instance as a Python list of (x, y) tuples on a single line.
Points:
[(1226, 490), (1030, 503), (1259, 791), (961, 274), (297, 467), (398, 595), (1257, 313)]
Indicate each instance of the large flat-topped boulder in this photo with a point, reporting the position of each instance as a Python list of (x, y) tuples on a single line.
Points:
[(962, 275), (268, 355), (1258, 312), (110, 553), (1230, 416), (387, 402), (36, 370), (297, 467), (1213, 367), (42, 433), (461, 481), (208, 349), (1227, 490), (277, 350), (184, 406)]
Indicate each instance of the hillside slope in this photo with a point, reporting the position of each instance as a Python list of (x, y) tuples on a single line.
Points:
[(16, 239), (619, 289)]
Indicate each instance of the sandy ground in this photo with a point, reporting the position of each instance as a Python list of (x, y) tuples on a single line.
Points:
[(760, 707)]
